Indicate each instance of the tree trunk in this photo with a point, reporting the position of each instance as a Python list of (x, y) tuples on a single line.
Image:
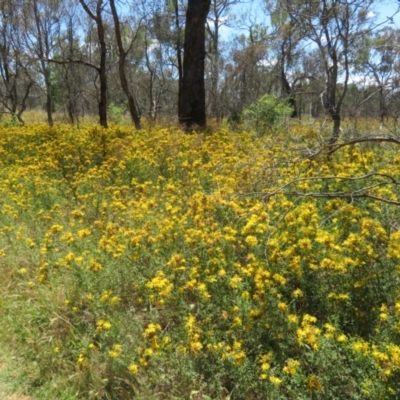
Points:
[(192, 104), (178, 43), (286, 88), (102, 70), (43, 52), (49, 100), (331, 105), (336, 128), (103, 58), (215, 60), (121, 68), (383, 109)]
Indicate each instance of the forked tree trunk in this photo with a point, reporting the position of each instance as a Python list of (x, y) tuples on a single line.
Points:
[(101, 69), (121, 68)]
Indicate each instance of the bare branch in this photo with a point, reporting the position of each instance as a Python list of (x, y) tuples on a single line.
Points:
[(82, 62), (365, 139), (359, 193)]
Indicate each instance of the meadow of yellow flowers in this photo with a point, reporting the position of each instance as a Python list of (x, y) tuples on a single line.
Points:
[(157, 264)]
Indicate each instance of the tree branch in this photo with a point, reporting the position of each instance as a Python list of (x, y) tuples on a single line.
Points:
[(365, 139), (359, 193), (83, 62)]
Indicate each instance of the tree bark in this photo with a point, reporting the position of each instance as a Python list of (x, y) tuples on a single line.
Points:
[(121, 68), (178, 43), (287, 89), (43, 53), (103, 57), (192, 105)]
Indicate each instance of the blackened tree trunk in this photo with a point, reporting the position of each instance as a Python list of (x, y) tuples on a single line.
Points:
[(192, 104)]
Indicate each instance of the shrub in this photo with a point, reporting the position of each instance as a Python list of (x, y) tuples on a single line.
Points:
[(266, 113)]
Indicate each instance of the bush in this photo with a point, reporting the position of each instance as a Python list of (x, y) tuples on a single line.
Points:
[(266, 113)]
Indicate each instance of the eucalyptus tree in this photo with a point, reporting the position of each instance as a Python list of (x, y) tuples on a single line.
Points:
[(96, 15), (378, 58), (41, 28), (219, 16), (70, 77), (248, 74), (285, 45), (122, 55), (164, 49), (16, 79), (334, 27)]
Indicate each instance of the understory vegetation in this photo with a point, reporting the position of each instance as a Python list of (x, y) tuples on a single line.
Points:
[(157, 264)]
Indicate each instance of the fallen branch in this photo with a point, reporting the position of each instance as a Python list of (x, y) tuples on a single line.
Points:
[(359, 193), (365, 139)]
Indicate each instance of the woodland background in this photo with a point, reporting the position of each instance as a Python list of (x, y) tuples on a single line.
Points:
[(327, 58)]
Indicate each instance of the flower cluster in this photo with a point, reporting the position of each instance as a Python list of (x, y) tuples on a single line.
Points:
[(156, 257)]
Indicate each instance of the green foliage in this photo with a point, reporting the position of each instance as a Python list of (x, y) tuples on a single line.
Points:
[(12, 121), (117, 111), (266, 113)]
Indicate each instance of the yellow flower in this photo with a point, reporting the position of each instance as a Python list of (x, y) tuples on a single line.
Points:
[(82, 360), (237, 321), (30, 242), (305, 244), (78, 214), (115, 300), (115, 351), (239, 357), (282, 306), (148, 352), (265, 366), (195, 346), (181, 349), (151, 330), (313, 383), (341, 338), (56, 228), (102, 324), (297, 293), (235, 281), (275, 380), (133, 369), (291, 367), (279, 279), (107, 325), (105, 296), (361, 347), (84, 233), (251, 240), (293, 318)]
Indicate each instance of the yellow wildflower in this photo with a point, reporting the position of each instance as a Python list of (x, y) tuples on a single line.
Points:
[(133, 369)]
